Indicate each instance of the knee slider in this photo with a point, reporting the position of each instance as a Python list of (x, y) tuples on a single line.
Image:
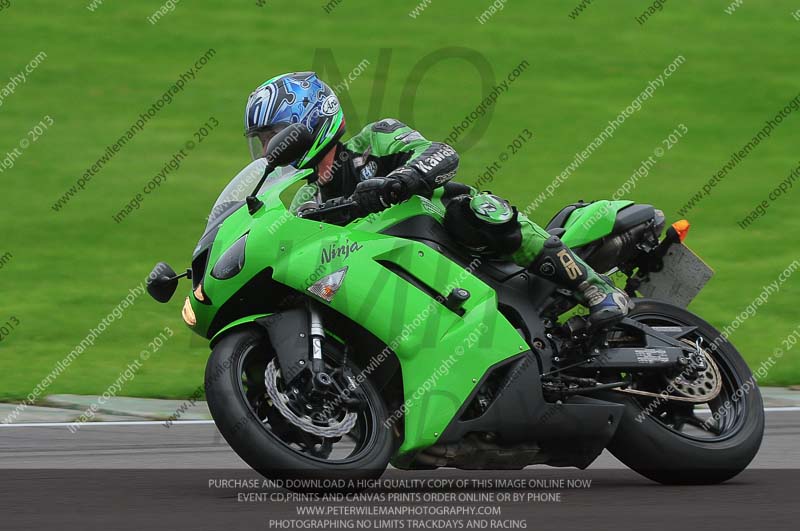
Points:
[(482, 225)]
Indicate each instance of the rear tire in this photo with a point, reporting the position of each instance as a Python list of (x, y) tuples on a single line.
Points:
[(649, 447), (262, 449)]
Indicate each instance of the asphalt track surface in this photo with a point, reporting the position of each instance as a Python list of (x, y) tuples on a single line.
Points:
[(146, 476)]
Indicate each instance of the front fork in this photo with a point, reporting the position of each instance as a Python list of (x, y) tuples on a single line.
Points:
[(317, 332), (321, 378)]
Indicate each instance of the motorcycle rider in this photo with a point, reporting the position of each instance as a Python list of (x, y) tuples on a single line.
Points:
[(387, 162)]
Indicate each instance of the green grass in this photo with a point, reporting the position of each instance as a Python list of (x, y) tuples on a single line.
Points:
[(103, 68)]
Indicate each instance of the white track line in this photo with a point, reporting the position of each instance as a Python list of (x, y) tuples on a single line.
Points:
[(190, 422), (104, 424)]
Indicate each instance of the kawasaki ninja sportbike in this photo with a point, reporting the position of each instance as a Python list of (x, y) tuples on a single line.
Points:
[(339, 347)]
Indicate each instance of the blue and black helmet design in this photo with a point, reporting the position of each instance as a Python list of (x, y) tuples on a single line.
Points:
[(298, 97)]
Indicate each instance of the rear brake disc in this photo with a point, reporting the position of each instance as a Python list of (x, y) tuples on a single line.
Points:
[(703, 388)]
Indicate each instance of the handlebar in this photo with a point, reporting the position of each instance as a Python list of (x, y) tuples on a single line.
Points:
[(337, 205)]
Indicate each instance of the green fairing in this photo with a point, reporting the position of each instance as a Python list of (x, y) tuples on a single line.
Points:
[(592, 222), (429, 340), (413, 207), (235, 324)]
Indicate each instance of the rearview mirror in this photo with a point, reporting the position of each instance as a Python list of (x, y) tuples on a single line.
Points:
[(288, 145), (285, 147), (162, 282)]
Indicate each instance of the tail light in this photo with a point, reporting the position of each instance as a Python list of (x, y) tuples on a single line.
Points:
[(681, 228)]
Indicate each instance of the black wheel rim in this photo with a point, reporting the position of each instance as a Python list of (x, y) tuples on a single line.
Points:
[(724, 416), (349, 449)]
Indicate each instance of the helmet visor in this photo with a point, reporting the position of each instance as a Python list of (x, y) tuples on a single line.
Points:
[(257, 142), (255, 146)]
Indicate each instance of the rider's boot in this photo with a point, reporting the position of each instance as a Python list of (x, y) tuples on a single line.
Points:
[(556, 262)]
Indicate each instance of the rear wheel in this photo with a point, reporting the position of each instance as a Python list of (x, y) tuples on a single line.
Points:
[(283, 436), (707, 440)]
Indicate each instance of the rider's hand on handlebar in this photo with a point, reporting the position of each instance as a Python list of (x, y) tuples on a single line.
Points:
[(378, 193)]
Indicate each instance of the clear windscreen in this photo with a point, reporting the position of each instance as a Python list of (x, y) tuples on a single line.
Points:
[(234, 195)]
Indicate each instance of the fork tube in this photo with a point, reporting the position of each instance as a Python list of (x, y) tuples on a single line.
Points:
[(317, 337)]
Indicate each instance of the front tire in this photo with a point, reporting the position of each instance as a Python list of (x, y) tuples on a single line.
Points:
[(647, 443), (256, 432)]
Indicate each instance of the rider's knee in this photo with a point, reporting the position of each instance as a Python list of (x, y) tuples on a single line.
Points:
[(484, 223)]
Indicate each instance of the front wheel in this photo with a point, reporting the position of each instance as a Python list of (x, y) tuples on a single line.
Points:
[(691, 442), (269, 437)]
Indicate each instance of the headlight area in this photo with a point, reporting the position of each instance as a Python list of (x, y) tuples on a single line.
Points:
[(231, 262), (188, 313)]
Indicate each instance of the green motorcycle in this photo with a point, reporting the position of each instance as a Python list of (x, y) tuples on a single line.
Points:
[(339, 347)]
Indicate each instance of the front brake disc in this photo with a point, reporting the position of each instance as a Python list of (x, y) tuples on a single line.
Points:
[(305, 423)]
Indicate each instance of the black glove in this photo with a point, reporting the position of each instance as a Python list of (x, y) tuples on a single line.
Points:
[(412, 181), (378, 193)]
